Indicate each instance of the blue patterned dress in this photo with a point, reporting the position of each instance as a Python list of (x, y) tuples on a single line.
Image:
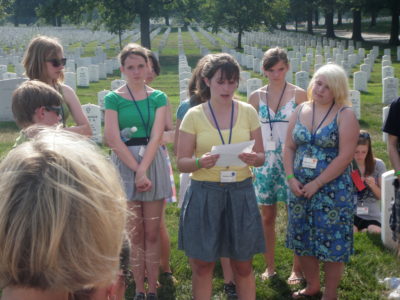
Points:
[(270, 180), (323, 225)]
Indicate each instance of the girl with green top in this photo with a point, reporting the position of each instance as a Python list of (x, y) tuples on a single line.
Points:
[(140, 161)]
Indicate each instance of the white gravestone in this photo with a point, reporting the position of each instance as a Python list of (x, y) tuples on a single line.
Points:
[(387, 71), (184, 84), (252, 85), (355, 98), (390, 90), (386, 63), (9, 75), (360, 81), (116, 83), (3, 69), (70, 79), (365, 68), (302, 79), (183, 96), (244, 76), (82, 74), (94, 73), (7, 87), (93, 113), (100, 102), (385, 112), (102, 71)]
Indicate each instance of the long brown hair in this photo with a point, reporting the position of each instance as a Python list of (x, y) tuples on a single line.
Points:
[(39, 50), (365, 139)]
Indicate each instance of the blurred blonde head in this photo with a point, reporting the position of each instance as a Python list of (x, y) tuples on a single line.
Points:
[(62, 215), (336, 79)]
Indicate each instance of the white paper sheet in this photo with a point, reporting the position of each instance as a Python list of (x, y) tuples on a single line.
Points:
[(229, 154)]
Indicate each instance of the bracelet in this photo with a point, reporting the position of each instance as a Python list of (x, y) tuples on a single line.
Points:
[(397, 173), (290, 176), (198, 163)]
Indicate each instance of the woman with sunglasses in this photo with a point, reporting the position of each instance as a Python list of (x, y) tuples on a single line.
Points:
[(44, 60), (368, 190), (140, 161), (275, 103)]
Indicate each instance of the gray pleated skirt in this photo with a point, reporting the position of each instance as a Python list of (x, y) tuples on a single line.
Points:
[(158, 173), (221, 220)]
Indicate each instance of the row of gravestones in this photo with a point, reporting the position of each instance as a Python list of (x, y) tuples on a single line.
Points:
[(209, 37), (184, 70), (203, 49), (164, 39)]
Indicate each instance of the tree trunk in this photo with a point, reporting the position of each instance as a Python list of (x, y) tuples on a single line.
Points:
[(374, 14), (330, 31), (145, 30), (296, 24), (167, 20), (357, 25), (339, 17), (283, 26), (394, 28), (316, 17), (59, 21), (309, 19), (240, 39), (120, 37)]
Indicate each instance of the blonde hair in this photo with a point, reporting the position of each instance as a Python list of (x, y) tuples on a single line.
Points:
[(39, 50), (337, 81), (62, 214)]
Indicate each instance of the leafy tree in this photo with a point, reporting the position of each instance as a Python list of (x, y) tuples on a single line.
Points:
[(236, 15)]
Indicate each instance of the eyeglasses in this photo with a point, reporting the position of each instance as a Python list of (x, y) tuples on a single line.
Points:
[(364, 135), (57, 62), (56, 109)]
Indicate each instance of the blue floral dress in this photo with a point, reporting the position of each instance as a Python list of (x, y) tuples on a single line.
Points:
[(323, 225), (270, 180)]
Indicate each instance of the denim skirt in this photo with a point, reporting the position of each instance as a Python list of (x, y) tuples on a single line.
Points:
[(158, 173), (220, 220)]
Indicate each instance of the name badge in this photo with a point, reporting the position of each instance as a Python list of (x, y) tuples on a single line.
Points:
[(142, 150), (270, 146), (310, 162), (228, 176), (362, 210)]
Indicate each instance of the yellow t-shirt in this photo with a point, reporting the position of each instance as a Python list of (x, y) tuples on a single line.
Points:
[(196, 122)]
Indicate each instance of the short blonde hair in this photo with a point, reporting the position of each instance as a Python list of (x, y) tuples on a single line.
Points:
[(337, 81), (62, 214), (39, 50)]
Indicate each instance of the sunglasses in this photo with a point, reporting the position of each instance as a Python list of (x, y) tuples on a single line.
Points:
[(56, 109), (57, 62), (364, 135)]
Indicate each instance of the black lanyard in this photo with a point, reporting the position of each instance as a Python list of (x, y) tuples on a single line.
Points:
[(216, 123), (314, 133), (146, 125), (277, 107)]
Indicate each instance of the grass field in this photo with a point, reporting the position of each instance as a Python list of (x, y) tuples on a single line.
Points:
[(370, 262)]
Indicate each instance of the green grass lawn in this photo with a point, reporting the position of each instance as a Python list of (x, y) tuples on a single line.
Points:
[(370, 262)]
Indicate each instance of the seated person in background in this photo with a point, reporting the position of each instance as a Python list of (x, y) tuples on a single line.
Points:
[(35, 102), (370, 170), (62, 219)]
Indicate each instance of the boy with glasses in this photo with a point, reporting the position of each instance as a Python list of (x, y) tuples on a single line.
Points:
[(35, 103)]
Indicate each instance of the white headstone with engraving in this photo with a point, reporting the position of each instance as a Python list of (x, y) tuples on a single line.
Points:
[(360, 81), (116, 83), (390, 90), (70, 79), (354, 97), (302, 79), (93, 113), (252, 85), (7, 87), (82, 74), (244, 76)]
